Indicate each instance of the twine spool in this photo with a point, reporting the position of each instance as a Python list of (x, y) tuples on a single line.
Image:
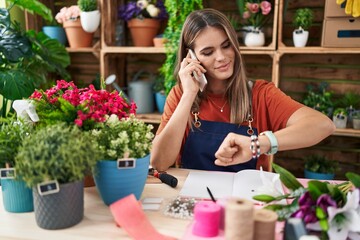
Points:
[(206, 219), (239, 219), (264, 224), (222, 203)]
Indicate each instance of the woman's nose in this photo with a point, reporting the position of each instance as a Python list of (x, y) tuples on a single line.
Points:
[(220, 56)]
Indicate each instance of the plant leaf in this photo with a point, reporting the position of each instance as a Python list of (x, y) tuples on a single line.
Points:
[(353, 178), (316, 188), (15, 84), (34, 6), (287, 178), (264, 198)]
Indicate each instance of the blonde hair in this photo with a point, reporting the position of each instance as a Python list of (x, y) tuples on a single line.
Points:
[(237, 92)]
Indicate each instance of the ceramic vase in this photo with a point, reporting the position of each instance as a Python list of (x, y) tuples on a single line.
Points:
[(17, 197), (160, 99), (60, 210), (143, 31), (56, 32), (255, 38), (319, 176), (76, 35), (340, 122), (114, 183), (300, 37), (90, 21)]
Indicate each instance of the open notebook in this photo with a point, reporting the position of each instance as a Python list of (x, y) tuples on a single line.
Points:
[(243, 184)]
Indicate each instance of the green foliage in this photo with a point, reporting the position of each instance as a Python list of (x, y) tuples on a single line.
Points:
[(159, 83), (12, 134), (287, 178), (178, 11), (56, 152), (340, 113), (349, 99), (87, 5), (35, 7), (303, 18), (320, 164), (26, 59), (319, 98), (128, 136)]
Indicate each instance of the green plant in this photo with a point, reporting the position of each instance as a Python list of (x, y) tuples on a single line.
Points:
[(56, 152), (178, 11), (35, 7), (319, 98), (320, 164), (256, 13), (12, 134), (127, 137), (26, 59), (340, 113), (349, 99), (303, 18), (159, 83), (87, 5)]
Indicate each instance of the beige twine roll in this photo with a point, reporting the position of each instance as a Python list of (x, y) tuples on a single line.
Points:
[(264, 226), (239, 219)]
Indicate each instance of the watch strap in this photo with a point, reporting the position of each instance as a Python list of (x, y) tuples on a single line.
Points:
[(273, 142)]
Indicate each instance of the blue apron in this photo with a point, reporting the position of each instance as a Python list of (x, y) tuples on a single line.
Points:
[(202, 143)]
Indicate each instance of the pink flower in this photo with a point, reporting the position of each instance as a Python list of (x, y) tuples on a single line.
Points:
[(246, 15), (265, 7), (253, 7), (70, 13)]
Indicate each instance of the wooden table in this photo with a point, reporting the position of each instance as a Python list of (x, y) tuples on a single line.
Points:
[(98, 223)]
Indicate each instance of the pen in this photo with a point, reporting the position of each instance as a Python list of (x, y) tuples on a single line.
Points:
[(211, 196)]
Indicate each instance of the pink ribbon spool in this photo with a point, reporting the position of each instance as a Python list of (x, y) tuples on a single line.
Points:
[(206, 219)]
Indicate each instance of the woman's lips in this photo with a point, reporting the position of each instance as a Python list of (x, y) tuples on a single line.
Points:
[(223, 68)]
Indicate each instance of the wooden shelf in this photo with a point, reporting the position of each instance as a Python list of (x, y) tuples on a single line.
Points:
[(347, 132), (153, 118), (135, 50), (317, 50)]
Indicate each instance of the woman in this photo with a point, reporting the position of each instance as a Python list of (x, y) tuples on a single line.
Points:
[(233, 123)]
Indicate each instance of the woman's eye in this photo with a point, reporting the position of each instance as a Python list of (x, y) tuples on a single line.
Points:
[(226, 45), (207, 53)]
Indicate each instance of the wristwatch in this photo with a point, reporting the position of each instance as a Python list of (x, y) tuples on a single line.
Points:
[(273, 142)]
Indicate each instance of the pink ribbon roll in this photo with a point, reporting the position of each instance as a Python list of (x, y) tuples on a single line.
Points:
[(206, 219)]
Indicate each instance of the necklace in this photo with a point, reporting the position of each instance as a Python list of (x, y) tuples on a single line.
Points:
[(221, 108)]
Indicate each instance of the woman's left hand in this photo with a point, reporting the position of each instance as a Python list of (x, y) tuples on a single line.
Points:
[(234, 149)]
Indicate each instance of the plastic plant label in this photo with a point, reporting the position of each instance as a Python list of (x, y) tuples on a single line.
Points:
[(7, 173), (125, 163), (48, 187)]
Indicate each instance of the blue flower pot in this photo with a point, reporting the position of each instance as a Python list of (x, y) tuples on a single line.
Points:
[(114, 183), (17, 197), (56, 32), (160, 99), (318, 176)]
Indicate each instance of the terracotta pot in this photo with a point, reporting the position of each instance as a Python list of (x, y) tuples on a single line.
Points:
[(159, 41), (76, 35), (143, 31)]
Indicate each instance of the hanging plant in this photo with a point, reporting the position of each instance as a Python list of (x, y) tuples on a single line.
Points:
[(178, 11)]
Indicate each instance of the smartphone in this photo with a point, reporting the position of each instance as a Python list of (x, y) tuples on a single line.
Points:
[(201, 79)]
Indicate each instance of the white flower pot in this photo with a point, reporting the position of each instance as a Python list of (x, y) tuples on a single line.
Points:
[(340, 122), (300, 37), (255, 38), (90, 21)]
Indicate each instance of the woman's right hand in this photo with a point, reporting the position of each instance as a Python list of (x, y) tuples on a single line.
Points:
[(187, 67)]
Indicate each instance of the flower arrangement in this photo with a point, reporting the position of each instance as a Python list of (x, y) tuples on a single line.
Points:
[(333, 209), (143, 9), (255, 12), (84, 107), (68, 13), (126, 137)]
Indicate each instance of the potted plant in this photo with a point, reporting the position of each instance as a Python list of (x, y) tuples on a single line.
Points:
[(143, 18), (319, 98), (351, 102), (302, 21), (340, 118), (53, 160), (255, 13), (90, 15), (69, 17), (27, 59), (178, 11), (320, 167), (17, 197), (356, 119), (125, 146), (160, 96)]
